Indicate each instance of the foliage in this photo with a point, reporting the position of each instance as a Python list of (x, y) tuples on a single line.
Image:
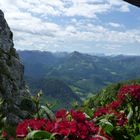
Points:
[(42, 111), (106, 95), (55, 91), (118, 120), (68, 125), (3, 132)]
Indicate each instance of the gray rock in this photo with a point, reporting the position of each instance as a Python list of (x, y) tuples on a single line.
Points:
[(12, 84)]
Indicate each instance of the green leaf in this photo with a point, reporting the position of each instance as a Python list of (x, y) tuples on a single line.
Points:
[(48, 112), (105, 121), (89, 112), (52, 137), (108, 127), (1, 101), (130, 114), (38, 134), (139, 126), (137, 137)]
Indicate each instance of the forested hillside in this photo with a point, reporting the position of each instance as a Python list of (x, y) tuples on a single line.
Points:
[(80, 75)]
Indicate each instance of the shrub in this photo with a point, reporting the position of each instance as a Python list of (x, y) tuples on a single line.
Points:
[(118, 120)]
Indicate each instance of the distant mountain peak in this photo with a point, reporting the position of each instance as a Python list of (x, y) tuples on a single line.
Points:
[(76, 53)]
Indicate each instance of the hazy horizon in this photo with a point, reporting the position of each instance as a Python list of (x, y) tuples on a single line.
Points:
[(90, 53)]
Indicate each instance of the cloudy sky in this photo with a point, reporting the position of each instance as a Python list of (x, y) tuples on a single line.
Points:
[(90, 26)]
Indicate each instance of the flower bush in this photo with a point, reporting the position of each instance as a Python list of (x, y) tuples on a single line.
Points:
[(118, 120), (72, 125)]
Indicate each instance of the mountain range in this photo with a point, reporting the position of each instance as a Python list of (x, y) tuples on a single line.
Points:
[(77, 74)]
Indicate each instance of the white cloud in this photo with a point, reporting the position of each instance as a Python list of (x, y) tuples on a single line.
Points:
[(37, 24), (124, 8), (85, 8), (116, 25)]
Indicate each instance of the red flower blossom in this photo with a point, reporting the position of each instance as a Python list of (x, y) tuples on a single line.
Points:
[(61, 114), (73, 128), (4, 134), (37, 124), (49, 126), (34, 124), (92, 128), (121, 119), (63, 128), (132, 90), (114, 105), (22, 129), (78, 115), (101, 111), (82, 131)]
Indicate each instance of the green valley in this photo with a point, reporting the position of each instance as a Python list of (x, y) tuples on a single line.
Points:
[(80, 75)]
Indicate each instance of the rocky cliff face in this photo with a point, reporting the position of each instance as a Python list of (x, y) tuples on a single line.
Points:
[(12, 86)]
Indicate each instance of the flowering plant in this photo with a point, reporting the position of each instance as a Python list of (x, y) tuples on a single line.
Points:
[(118, 120), (123, 114), (68, 125)]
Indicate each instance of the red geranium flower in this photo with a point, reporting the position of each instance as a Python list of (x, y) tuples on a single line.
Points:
[(114, 105), (132, 90), (37, 124), (34, 124), (78, 115), (22, 129), (101, 111), (61, 114), (92, 128), (49, 126), (63, 128), (82, 131), (121, 119)]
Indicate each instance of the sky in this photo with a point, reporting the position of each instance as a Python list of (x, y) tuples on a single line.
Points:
[(88, 26)]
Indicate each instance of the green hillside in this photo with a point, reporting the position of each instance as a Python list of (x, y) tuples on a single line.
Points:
[(107, 94), (55, 91), (82, 74)]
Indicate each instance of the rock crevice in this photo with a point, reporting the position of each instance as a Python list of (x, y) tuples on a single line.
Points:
[(12, 85)]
